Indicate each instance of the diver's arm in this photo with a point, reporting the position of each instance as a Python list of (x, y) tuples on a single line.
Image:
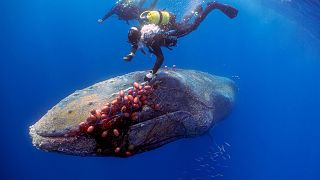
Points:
[(132, 53), (110, 13), (158, 52)]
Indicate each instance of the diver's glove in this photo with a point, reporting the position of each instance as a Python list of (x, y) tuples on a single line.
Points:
[(149, 76), (128, 57), (100, 21)]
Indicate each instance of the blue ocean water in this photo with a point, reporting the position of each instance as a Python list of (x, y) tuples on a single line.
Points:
[(50, 48)]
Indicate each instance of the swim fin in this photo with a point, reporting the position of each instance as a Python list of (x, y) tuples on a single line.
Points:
[(228, 10)]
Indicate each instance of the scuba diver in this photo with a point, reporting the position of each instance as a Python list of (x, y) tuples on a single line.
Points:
[(128, 10), (160, 29)]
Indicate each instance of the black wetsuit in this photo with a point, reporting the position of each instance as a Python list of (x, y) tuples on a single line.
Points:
[(126, 11), (184, 28), (175, 30), (154, 44)]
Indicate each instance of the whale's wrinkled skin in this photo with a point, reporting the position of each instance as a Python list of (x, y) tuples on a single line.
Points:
[(191, 103)]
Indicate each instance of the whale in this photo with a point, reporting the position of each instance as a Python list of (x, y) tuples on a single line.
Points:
[(177, 103)]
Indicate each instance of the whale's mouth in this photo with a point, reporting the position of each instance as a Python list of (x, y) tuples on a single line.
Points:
[(95, 145), (75, 145)]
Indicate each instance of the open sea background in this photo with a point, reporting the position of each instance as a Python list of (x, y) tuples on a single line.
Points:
[(50, 48)]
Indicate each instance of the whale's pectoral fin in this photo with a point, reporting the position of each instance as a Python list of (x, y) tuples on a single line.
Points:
[(160, 130)]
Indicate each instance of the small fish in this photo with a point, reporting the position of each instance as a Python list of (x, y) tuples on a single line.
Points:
[(228, 155), (222, 147)]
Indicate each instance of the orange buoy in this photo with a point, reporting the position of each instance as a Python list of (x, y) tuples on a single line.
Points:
[(141, 92), (105, 109), (130, 97), (117, 150), (116, 132), (114, 102), (130, 92), (136, 85), (82, 124), (98, 114), (104, 116), (136, 100), (91, 118), (136, 106), (121, 93), (147, 87), (90, 129), (104, 134)]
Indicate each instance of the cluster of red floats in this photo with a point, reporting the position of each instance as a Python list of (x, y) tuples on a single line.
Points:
[(109, 125)]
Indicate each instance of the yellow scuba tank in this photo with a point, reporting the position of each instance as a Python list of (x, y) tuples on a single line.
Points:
[(156, 17)]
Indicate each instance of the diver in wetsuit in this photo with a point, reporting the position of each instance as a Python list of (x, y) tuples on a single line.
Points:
[(128, 10), (164, 31)]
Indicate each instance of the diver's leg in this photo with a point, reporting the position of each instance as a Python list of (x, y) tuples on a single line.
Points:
[(185, 28), (189, 16), (158, 52)]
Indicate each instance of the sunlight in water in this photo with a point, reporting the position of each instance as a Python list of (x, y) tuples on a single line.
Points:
[(180, 7)]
